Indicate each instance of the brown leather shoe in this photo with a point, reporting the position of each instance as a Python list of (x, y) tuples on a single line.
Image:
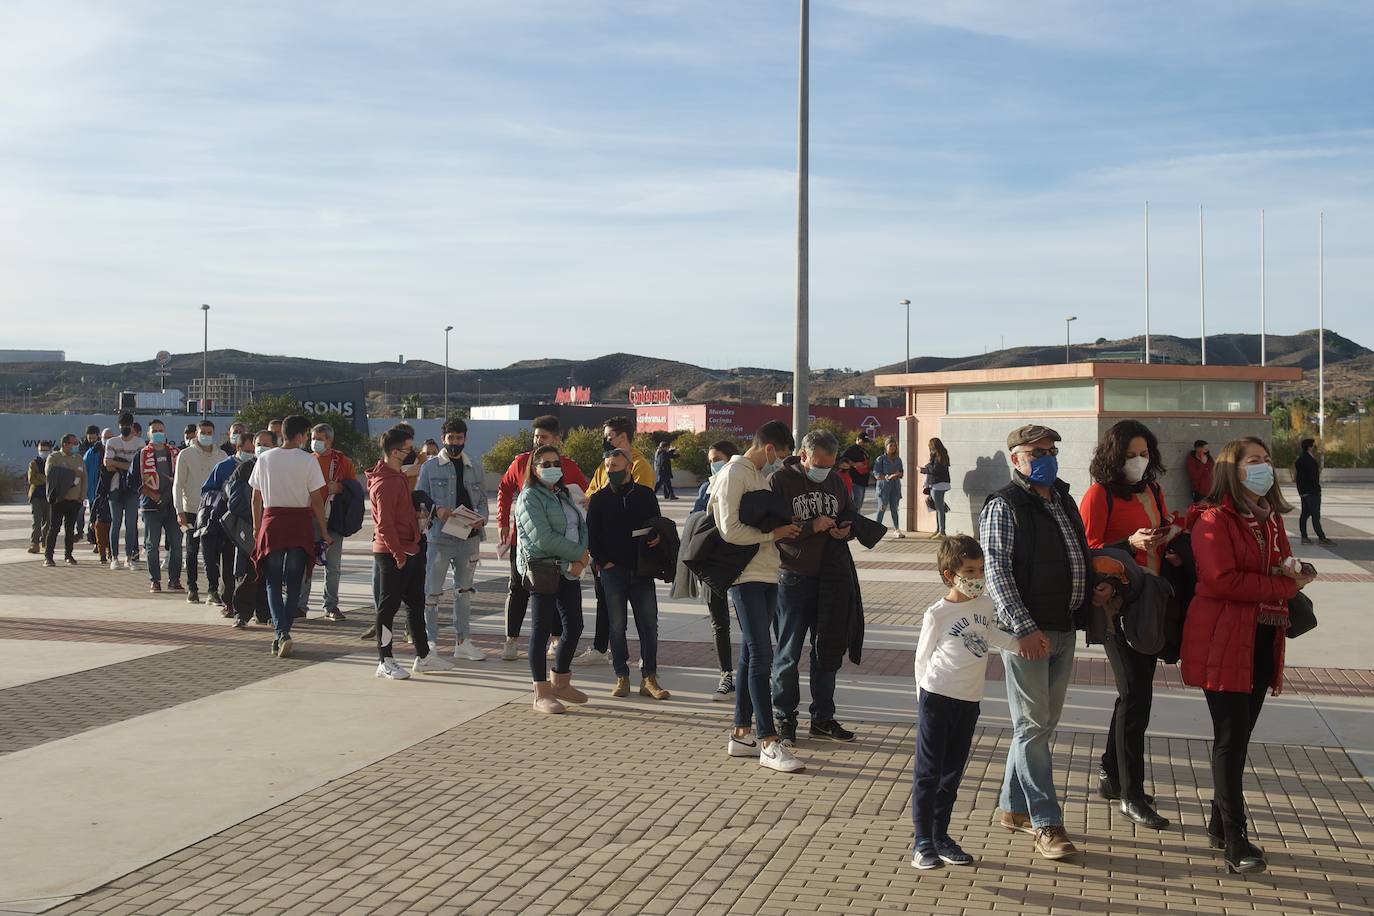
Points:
[(649, 687), (621, 688), (1020, 823), (1053, 842)]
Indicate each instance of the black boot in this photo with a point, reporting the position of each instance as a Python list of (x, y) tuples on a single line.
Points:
[(1216, 835), (1108, 789), (1241, 856), (1143, 813)]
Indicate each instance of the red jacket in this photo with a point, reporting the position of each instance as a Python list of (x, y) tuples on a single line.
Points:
[(514, 480), (1128, 515), (1199, 474), (1233, 577), (395, 529)]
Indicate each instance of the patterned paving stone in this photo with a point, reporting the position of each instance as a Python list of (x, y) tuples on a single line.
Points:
[(573, 814)]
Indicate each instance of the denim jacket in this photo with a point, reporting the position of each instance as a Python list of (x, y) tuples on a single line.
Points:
[(440, 481)]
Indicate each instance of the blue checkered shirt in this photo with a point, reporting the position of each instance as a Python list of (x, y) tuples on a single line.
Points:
[(997, 532)]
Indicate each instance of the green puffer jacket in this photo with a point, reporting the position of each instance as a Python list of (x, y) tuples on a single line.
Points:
[(541, 528)]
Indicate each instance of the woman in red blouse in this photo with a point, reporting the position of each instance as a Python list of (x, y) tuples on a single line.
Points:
[(1233, 637), (1125, 508)]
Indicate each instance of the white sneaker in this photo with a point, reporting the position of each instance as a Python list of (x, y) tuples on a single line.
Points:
[(392, 671), (552, 651), (468, 652), (114, 563), (747, 746), (593, 657), (777, 756), (510, 651), (431, 663), (131, 564)]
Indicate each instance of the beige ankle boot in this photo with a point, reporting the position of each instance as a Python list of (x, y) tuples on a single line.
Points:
[(565, 691), (648, 687), (544, 701), (621, 688)]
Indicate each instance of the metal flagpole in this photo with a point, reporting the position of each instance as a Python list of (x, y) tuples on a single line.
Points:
[(1263, 354), (1147, 282), (1321, 329), (1202, 284), (801, 371)]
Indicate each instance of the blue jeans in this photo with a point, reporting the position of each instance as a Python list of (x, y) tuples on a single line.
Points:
[(858, 497), (566, 605), (1035, 695), (124, 508), (793, 618), (284, 569), (445, 553), (156, 523), (625, 590), (938, 497), (754, 603), (333, 563), (888, 503)]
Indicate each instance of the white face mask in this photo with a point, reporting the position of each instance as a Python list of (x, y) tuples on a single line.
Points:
[(970, 588), (1135, 468)]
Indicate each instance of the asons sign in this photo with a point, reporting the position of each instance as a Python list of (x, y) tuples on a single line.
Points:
[(645, 396)]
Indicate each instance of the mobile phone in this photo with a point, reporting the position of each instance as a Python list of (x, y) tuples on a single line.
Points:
[(1162, 530), (1308, 569)]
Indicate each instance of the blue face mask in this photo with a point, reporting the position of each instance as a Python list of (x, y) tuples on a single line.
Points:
[(1044, 471), (551, 476), (244, 456), (206, 441), (817, 475), (317, 446), (1259, 478), (716, 466), (158, 438)]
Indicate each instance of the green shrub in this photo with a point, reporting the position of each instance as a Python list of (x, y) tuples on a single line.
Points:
[(503, 452), (583, 445)]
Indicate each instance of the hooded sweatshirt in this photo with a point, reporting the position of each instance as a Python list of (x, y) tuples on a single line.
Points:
[(395, 530), (809, 501)]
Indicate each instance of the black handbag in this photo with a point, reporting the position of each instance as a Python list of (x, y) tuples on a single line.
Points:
[(542, 575), (1302, 616)]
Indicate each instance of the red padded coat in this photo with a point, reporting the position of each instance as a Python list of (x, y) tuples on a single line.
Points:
[(1233, 578)]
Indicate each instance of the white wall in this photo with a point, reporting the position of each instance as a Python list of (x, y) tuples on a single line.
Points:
[(20, 431)]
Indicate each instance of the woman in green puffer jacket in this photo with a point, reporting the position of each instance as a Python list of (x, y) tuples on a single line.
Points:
[(551, 532)]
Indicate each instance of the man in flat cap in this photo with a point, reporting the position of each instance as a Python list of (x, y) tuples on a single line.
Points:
[(1037, 575)]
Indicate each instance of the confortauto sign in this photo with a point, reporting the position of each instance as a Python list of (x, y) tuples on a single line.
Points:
[(645, 396)]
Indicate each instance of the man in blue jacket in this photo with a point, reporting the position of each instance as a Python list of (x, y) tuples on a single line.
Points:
[(217, 548), (452, 480)]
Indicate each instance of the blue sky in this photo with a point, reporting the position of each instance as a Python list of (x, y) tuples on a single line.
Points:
[(574, 178)]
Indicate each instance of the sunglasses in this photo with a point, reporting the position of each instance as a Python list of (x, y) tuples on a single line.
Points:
[(1040, 452)]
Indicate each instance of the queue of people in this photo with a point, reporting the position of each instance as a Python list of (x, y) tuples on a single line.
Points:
[(1211, 587)]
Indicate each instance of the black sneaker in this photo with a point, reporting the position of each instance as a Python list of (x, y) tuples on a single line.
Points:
[(240, 623), (70, 561), (926, 858), (950, 853), (831, 731), (334, 613), (192, 596), (276, 645), (47, 561), (370, 633), (787, 732), (213, 599), (726, 689), (300, 613)]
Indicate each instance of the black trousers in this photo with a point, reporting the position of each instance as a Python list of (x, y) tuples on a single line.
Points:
[(1234, 715), (64, 513), (1124, 760), (518, 603), (718, 606), (601, 638), (191, 542), (944, 736), (218, 551), (1311, 508), (395, 586), (248, 597)]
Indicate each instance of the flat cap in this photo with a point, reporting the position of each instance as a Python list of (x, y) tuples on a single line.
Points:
[(1031, 432)]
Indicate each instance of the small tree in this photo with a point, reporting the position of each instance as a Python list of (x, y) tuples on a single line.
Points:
[(348, 439), (503, 452), (583, 445)]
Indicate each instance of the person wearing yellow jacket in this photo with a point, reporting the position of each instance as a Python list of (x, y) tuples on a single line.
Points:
[(616, 433)]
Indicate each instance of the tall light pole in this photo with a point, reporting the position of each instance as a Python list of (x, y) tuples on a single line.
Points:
[(1067, 322), (1202, 284), (1263, 354), (446, 330), (1147, 282), (1321, 331), (479, 391), (801, 370), (907, 303), (205, 362)]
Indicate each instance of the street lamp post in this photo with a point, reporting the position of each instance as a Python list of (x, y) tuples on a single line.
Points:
[(446, 330), (205, 362), (801, 371), (907, 303), (1067, 322)]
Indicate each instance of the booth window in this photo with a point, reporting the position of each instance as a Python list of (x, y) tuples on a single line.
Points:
[(1136, 396), (1047, 397)]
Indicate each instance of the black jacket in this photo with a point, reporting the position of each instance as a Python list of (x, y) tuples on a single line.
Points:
[(839, 608), (764, 510), (1307, 475), (1040, 558), (611, 517), (659, 561), (714, 560)]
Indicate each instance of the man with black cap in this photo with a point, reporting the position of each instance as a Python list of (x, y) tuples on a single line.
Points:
[(1037, 575)]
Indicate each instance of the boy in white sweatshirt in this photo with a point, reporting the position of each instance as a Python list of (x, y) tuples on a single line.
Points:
[(957, 633)]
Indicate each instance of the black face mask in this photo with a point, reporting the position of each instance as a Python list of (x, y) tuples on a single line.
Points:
[(125, 430), (606, 445), (454, 450)]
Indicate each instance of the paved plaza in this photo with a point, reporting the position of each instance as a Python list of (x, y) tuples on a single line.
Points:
[(155, 760)]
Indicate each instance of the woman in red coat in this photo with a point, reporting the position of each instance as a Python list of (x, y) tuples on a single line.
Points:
[(1124, 507), (1233, 639)]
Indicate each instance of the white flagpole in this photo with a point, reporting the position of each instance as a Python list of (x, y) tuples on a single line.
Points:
[(1263, 355), (1321, 329), (1202, 284), (1147, 282)]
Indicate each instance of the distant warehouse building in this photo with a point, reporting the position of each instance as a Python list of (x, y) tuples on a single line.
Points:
[(33, 356)]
